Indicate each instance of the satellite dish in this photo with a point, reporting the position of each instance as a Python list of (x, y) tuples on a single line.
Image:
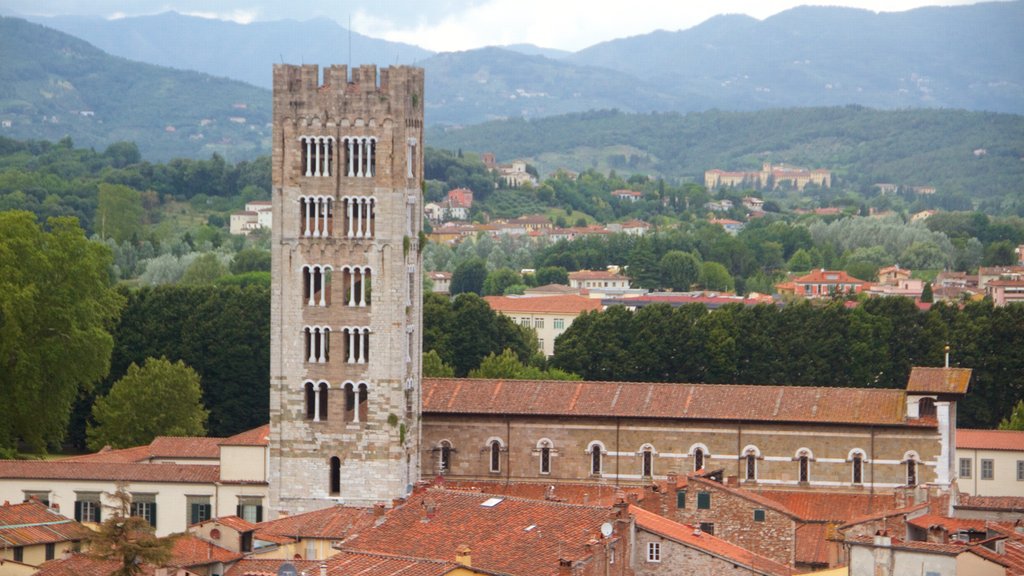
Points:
[(606, 529), (287, 569)]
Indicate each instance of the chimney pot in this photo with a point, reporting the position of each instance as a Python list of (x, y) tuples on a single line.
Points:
[(463, 555), (378, 509)]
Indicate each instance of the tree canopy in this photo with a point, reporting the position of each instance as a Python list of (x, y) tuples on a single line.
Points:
[(56, 310), (160, 398)]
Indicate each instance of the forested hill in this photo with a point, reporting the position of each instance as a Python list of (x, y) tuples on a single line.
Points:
[(54, 85), (863, 146)]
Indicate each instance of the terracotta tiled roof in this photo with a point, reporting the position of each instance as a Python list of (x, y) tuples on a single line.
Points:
[(349, 562), (743, 493), (1012, 558), (259, 436), (660, 400), (561, 304), (136, 454), (233, 522), (132, 472), (830, 506), (514, 535), (828, 277), (333, 523), (33, 523), (995, 503), (553, 289), (586, 494), (623, 192), (184, 447), (951, 549), (928, 521), (82, 565), (595, 275), (687, 536), (191, 551), (939, 380), (811, 544), (967, 439)]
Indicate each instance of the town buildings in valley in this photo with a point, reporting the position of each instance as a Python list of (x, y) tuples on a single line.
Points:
[(770, 177)]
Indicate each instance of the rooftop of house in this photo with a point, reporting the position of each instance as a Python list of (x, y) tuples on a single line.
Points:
[(332, 523), (992, 503), (178, 447), (31, 523), (585, 494), (951, 549), (233, 522), (552, 289), (823, 276), (663, 400), (831, 506), (624, 192), (109, 471), (930, 521), (348, 562), (967, 439), (505, 534), (694, 538), (928, 380), (79, 564), (811, 545), (595, 275), (559, 304), (189, 550)]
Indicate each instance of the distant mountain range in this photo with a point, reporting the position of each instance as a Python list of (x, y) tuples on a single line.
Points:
[(950, 57), (53, 85)]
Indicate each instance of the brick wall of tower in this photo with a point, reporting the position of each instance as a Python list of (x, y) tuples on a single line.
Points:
[(379, 455)]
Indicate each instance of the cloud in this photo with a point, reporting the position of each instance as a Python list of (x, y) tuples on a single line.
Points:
[(239, 16)]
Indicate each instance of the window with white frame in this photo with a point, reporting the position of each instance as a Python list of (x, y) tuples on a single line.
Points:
[(495, 456), (654, 551), (1020, 470), (965, 468), (88, 507), (988, 469), (559, 323), (545, 456), (144, 506)]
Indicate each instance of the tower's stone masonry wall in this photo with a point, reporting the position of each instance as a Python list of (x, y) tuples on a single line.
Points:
[(379, 455)]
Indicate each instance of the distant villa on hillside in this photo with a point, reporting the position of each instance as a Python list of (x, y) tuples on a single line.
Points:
[(769, 177)]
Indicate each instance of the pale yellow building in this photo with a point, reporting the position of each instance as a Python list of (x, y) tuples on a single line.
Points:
[(991, 462), (548, 315)]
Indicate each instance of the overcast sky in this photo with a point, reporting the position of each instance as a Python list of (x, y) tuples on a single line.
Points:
[(449, 25)]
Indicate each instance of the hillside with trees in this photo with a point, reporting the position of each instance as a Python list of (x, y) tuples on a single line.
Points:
[(973, 159), (54, 85)]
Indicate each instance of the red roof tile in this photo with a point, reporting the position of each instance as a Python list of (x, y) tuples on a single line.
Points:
[(136, 454), (662, 400), (586, 494), (259, 436), (688, 536), (929, 521), (349, 562), (995, 503), (82, 565), (990, 440), (33, 523), (830, 506), (132, 472), (828, 277), (951, 549), (233, 522), (561, 304), (333, 523), (939, 380), (811, 544), (185, 447), (515, 535), (191, 551)]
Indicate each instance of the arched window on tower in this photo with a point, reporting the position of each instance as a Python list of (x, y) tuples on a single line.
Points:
[(857, 467), (495, 456), (804, 463), (647, 461), (310, 400), (544, 448), (444, 463), (750, 464), (595, 458), (335, 476), (911, 460), (926, 408), (698, 459), (322, 400)]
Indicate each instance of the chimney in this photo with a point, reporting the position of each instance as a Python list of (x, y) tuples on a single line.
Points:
[(323, 569), (564, 567), (672, 479), (586, 498), (732, 481), (697, 531), (378, 510), (429, 509), (463, 556)]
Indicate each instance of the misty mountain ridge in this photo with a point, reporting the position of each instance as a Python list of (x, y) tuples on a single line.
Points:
[(949, 57)]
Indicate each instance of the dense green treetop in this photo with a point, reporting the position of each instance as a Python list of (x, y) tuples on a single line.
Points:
[(159, 398), (57, 309)]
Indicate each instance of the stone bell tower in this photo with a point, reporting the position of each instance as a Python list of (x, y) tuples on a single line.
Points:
[(346, 288)]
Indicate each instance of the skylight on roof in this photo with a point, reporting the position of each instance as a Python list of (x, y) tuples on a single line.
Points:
[(491, 502)]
